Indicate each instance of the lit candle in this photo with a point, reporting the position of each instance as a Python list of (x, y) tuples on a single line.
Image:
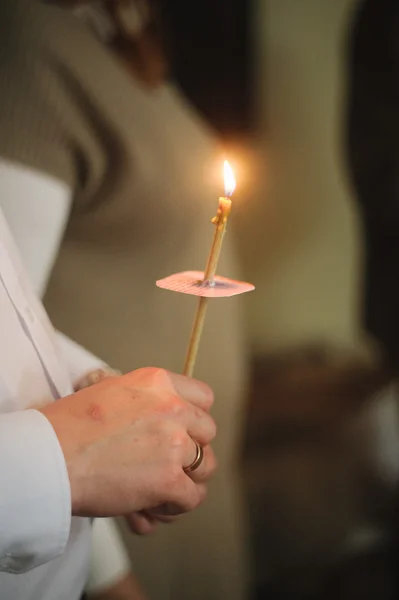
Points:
[(220, 221), (208, 284)]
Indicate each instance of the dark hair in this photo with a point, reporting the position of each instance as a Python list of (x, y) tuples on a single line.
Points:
[(144, 53)]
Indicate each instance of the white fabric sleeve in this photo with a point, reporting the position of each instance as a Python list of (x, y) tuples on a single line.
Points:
[(110, 562), (36, 207), (35, 501), (79, 361)]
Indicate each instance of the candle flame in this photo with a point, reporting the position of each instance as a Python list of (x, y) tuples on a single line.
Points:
[(229, 180)]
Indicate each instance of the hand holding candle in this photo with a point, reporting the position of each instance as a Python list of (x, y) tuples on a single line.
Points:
[(209, 285)]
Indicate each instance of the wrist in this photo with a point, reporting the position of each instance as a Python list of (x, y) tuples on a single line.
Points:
[(62, 421)]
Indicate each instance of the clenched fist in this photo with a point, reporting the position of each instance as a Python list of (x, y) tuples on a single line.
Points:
[(127, 440)]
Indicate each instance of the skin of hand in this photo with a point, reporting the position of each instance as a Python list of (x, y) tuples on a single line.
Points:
[(127, 439), (127, 588)]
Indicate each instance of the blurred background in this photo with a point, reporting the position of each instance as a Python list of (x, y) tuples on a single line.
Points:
[(270, 76)]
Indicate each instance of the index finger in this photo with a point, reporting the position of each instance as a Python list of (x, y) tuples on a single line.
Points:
[(193, 391)]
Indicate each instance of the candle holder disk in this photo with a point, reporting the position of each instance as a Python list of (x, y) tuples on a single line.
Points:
[(193, 284)]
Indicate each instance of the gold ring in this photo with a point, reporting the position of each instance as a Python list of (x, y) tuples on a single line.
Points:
[(197, 460)]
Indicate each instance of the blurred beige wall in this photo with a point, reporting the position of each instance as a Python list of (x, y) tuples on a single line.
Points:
[(299, 237)]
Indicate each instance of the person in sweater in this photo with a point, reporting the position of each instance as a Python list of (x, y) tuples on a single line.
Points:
[(84, 100)]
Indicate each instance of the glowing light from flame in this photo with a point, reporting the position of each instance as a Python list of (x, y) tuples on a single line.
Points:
[(229, 180)]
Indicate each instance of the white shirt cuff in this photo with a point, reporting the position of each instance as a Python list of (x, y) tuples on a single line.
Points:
[(109, 560), (35, 498)]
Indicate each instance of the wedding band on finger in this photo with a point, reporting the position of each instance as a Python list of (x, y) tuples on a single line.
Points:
[(197, 460)]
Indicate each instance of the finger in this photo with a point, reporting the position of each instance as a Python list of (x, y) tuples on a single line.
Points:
[(170, 511), (200, 427), (167, 519), (141, 523), (159, 515), (193, 391), (95, 377), (206, 469)]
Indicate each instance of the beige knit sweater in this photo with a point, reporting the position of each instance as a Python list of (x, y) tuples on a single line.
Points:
[(145, 177)]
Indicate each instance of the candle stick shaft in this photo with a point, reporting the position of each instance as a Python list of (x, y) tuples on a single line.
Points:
[(214, 255), (195, 337), (220, 221)]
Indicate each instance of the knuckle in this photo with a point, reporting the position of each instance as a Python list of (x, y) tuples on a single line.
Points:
[(194, 500), (174, 405), (138, 375), (174, 476), (159, 376), (178, 439), (209, 429), (153, 375), (209, 398), (212, 429), (147, 372), (179, 406)]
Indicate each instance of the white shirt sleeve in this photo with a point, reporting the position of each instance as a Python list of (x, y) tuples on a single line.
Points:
[(109, 559), (36, 208), (35, 503)]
